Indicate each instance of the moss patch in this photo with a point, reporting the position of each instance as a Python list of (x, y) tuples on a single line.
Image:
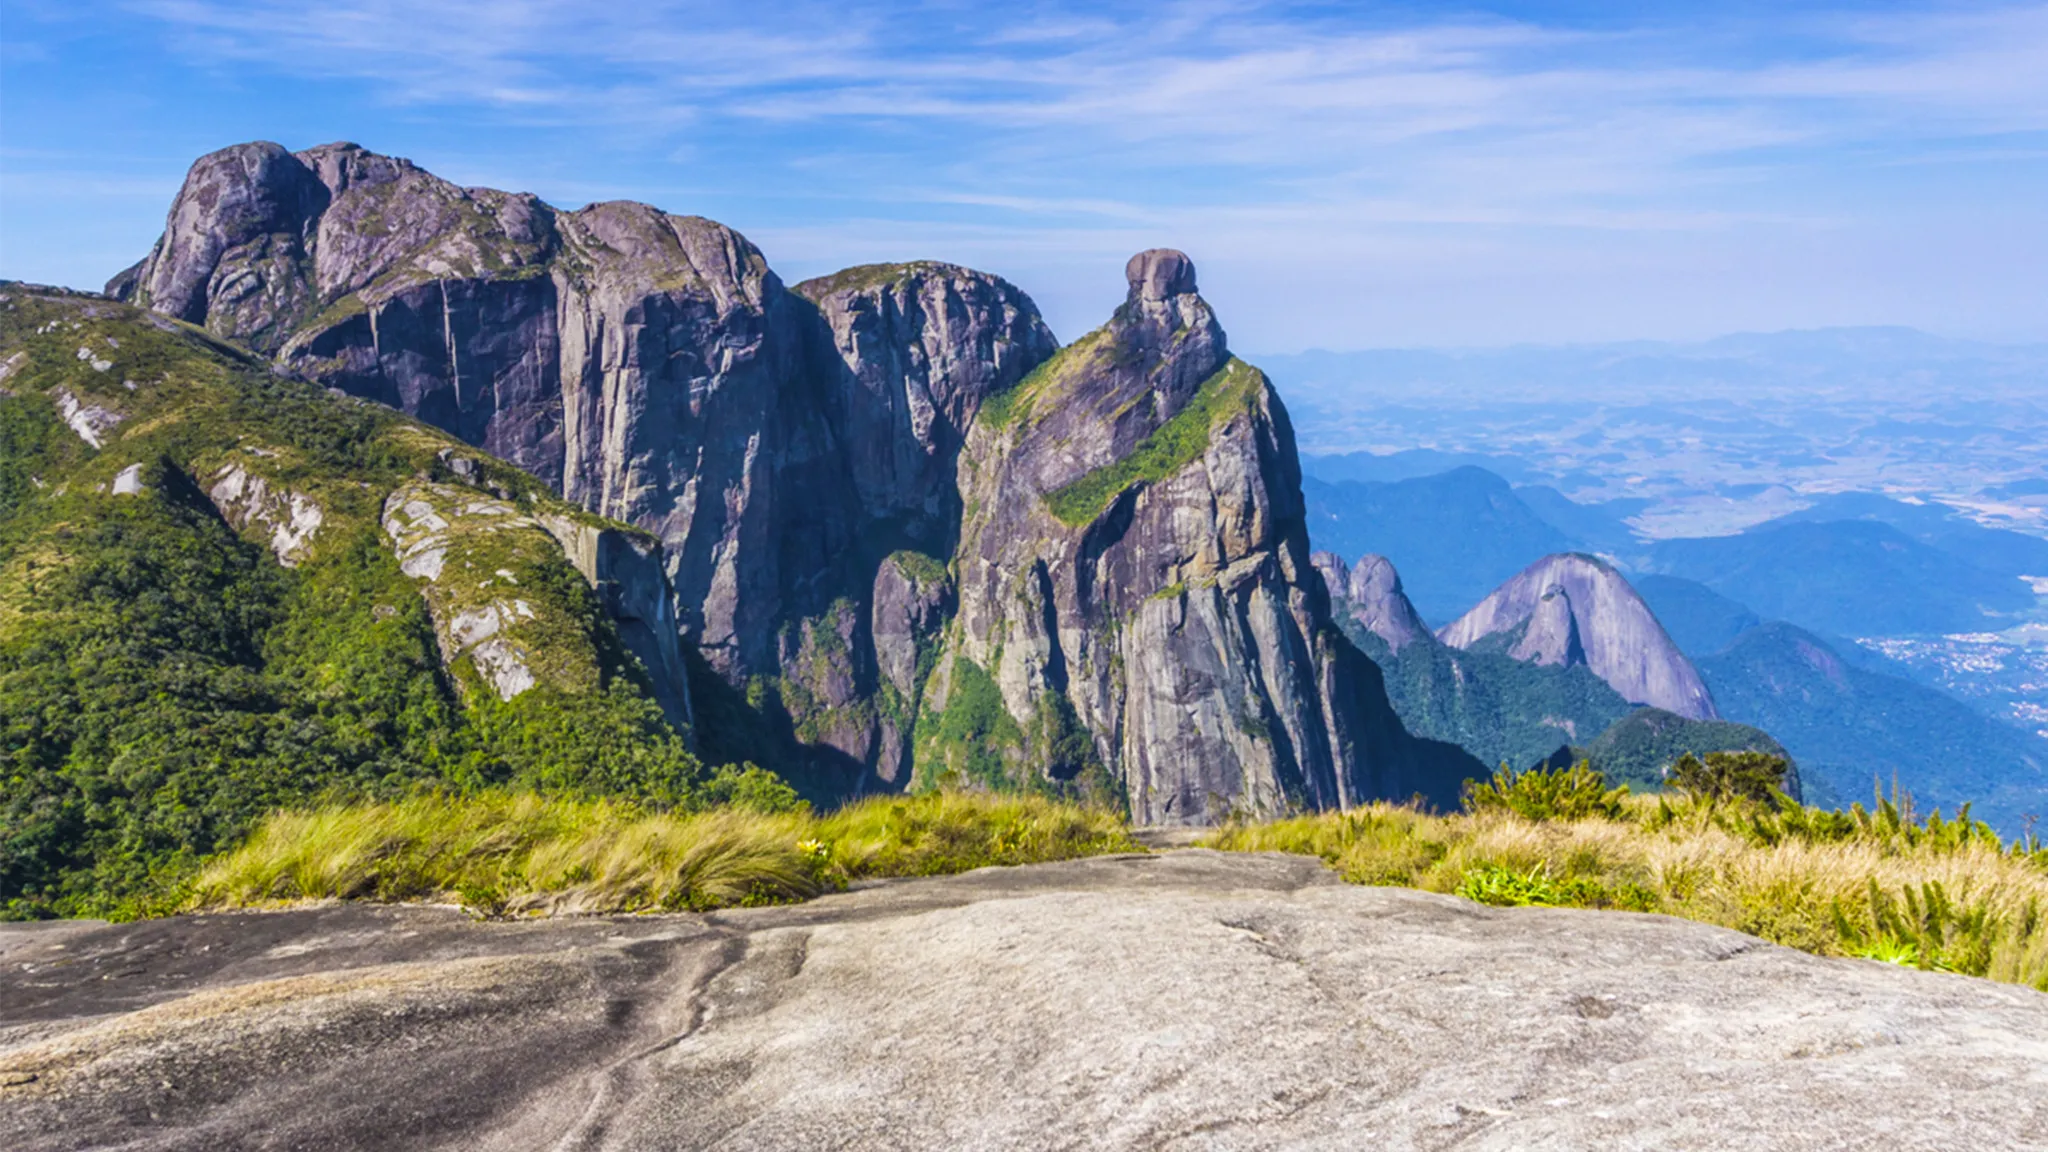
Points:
[(974, 738), (1171, 447)]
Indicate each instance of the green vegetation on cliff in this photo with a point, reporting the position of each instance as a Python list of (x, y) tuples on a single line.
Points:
[(973, 738), (1171, 447), (165, 680), (1641, 748), (1501, 710)]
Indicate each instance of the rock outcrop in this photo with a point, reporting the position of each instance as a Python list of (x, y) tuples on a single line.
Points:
[(1572, 609), (1134, 584), (285, 520), (1188, 1000), (1371, 595)]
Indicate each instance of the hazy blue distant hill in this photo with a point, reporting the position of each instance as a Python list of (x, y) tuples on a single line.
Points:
[(1698, 619), (1454, 536), (1410, 464), (1847, 726), (1601, 527), (1849, 577), (2006, 553), (2018, 489)]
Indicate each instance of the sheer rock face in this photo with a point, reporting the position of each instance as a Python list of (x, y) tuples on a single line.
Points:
[(627, 572), (913, 600), (1575, 609), (1149, 576), (1371, 594), (901, 358), (910, 351), (649, 366)]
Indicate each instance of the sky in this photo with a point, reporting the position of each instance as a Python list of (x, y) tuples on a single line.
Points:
[(1345, 175)]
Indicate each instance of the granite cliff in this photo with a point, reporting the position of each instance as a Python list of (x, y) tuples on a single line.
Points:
[(1135, 588), (863, 502), (651, 368)]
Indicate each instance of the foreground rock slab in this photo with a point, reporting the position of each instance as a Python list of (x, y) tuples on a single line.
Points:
[(1185, 1000)]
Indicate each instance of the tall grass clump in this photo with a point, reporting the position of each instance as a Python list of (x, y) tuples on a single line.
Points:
[(1881, 883), (510, 853)]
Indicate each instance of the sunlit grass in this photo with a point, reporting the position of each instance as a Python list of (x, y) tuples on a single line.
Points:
[(510, 853), (1939, 894), (1932, 893)]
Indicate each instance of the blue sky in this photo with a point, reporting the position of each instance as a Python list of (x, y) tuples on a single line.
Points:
[(1345, 175)]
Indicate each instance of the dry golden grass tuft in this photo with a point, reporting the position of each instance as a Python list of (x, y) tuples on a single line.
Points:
[(505, 853), (1940, 894), (1934, 893)]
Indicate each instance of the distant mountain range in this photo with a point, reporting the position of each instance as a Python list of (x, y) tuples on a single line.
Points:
[(1848, 577), (1854, 564), (1857, 731), (1562, 661), (1755, 614)]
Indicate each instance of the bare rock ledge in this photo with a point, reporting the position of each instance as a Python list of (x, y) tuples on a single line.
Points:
[(1179, 1001)]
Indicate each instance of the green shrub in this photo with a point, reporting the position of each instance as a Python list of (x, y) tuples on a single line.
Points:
[(751, 788), (1574, 793), (1729, 775), (1506, 887)]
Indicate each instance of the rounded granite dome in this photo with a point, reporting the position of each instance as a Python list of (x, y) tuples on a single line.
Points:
[(1160, 273)]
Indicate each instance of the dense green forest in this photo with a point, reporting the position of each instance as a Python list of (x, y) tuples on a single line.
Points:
[(1502, 710), (164, 681)]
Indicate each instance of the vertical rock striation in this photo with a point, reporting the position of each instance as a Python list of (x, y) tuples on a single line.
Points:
[(650, 367)]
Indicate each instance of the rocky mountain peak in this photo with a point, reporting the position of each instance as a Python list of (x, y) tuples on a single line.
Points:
[(1576, 609), (245, 208), (1371, 594), (1135, 587)]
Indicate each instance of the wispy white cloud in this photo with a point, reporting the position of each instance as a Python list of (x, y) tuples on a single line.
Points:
[(1050, 135), (1438, 107)]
